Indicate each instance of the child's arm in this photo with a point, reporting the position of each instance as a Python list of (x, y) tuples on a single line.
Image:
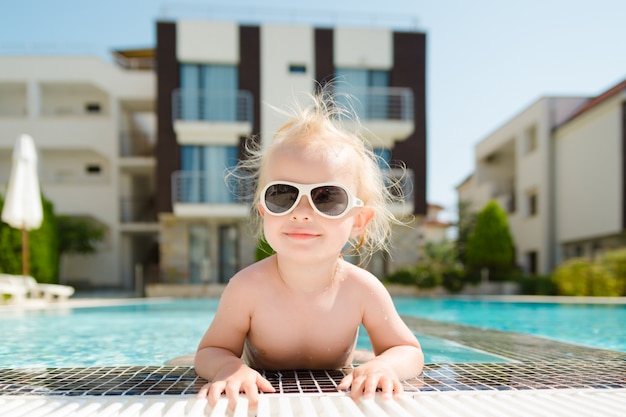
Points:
[(398, 353), (218, 358)]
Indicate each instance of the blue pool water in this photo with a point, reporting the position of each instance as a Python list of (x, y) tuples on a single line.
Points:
[(151, 333)]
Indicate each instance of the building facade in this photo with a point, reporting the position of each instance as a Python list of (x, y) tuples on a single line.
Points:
[(216, 83), (140, 145), (93, 126), (557, 169)]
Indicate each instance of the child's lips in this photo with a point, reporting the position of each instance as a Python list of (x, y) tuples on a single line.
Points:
[(302, 234)]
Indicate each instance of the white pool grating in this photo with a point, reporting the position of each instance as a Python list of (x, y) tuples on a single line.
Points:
[(540, 403)]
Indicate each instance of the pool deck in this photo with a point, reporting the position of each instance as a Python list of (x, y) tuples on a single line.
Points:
[(542, 377)]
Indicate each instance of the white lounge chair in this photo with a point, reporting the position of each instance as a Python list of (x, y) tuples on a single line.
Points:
[(16, 291), (27, 286), (48, 292)]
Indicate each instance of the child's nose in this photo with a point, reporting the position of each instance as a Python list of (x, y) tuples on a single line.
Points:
[(303, 210)]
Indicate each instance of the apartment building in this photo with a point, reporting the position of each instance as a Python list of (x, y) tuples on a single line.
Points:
[(140, 144), (216, 83), (557, 168), (94, 128)]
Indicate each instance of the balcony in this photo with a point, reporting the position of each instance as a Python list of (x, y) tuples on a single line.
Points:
[(194, 194), (138, 210), (136, 144), (211, 118), (197, 194), (387, 113)]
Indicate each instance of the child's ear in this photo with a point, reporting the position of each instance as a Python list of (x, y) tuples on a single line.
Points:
[(361, 220), (261, 209)]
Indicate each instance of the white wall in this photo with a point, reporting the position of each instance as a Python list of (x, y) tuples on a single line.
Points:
[(282, 46), (588, 170)]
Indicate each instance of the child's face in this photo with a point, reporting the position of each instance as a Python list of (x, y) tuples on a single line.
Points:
[(303, 234)]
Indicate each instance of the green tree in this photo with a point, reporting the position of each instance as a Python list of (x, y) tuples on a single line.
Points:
[(465, 225), (57, 235), (78, 235), (490, 244), (42, 247)]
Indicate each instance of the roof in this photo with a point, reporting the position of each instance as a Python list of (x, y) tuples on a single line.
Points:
[(142, 58), (593, 102)]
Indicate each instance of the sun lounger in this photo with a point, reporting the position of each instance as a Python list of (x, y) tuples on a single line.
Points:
[(28, 287), (17, 293)]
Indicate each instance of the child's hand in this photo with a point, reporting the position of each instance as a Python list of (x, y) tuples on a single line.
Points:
[(365, 379), (233, 381)]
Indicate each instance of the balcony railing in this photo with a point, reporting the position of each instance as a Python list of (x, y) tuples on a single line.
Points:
[(138, 210), (136, 143), (379, 103), (196, 187), (212, 106)]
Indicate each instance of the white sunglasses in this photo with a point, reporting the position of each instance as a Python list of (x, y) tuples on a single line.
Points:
[(330, 200)]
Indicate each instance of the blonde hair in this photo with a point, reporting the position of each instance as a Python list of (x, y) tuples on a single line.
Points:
[(321, 125)]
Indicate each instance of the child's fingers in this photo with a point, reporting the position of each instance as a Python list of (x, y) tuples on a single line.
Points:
[(203, 391), (214, 393), (398, 389), (387, 387), (345, 383), (371, 384), (252, 393), (232, 393), (264, 385)]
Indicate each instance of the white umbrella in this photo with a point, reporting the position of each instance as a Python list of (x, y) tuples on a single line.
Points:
[(22, 204)]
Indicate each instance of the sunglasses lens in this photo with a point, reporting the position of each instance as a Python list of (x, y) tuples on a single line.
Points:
[(280, 197), (330, 200)]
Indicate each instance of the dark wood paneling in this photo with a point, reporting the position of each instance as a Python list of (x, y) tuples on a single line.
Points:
[(324, 67), (167, 149), (250, 73), (409, 70)]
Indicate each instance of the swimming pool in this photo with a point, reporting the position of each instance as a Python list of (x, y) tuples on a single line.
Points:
[(150, 333)]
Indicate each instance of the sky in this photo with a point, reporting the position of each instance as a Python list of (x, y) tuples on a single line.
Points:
[(487, 60)]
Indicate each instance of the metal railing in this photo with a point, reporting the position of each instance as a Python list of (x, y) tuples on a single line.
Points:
[(135, 143), (378, 103), (138, 210), (197, 187), (212, 106)]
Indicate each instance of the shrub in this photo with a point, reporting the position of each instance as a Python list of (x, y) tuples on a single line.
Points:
[(582, 277), (615, 261), (538, 285), (402, 276), (426, 277), (453, 280)]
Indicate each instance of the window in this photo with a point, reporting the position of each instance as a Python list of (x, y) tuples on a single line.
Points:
[(297, 69), (199, 261), (204, 168), (531, 203), (368, 102), (208, 92), (92, 107), (93, 169), (531, 262)]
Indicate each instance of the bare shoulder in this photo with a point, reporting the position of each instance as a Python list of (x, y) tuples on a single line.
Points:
[(251, 280), (363, 282)]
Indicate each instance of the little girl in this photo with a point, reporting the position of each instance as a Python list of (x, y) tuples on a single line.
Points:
[(318, 188)]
